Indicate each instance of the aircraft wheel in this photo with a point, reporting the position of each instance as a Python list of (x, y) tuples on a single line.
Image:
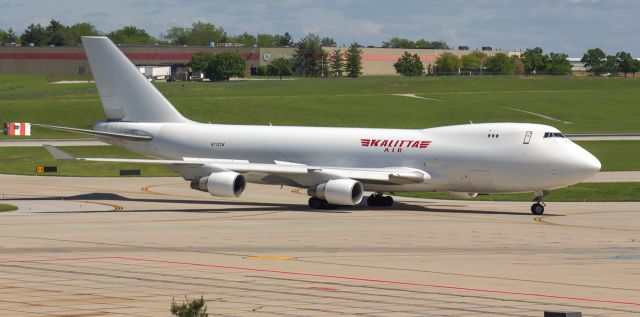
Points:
[(537, 209), (388, 201), (316, 203)]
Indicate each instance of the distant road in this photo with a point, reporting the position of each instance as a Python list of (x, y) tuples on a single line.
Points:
[(615, 177), (604, 137), (54, 142)]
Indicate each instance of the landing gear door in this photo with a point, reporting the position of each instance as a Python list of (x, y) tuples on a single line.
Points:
[(527, 137)]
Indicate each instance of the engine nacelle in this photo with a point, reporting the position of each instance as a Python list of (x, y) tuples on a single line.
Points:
[(223, 184), (338, 191), (462, 195)]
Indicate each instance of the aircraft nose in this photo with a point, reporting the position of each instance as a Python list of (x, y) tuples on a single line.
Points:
[(585, 164)]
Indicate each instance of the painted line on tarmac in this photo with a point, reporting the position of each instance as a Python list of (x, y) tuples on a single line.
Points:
[(544, 221), (417, 97), (339, 277), (116, 207), (539, 115)]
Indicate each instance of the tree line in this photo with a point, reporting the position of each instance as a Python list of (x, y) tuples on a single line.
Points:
[(597, 62), (532, 61), (199, 34), (310, 60)]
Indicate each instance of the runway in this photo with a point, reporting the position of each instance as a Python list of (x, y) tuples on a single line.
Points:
[(128, 246)]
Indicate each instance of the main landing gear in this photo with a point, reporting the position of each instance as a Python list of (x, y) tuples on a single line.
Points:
[(538, 207), (379, 200), (317, 203)]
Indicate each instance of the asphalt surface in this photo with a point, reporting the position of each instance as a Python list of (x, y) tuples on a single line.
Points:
[(128, 246)]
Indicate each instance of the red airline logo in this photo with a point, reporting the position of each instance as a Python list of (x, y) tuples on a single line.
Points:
[(395, 145)]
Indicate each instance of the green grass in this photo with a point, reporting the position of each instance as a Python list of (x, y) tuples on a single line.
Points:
[(579, 192), (23, 161), (615, 155), (7, 207), (592, 105)]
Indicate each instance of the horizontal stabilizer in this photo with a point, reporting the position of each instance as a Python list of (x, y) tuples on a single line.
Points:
[(125, 136)]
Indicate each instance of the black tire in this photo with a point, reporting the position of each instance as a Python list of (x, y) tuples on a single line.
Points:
[(388, 201), (315, 203), (537, 209), (372, 201)]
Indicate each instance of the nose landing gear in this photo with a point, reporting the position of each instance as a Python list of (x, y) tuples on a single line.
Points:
[(538, 207)]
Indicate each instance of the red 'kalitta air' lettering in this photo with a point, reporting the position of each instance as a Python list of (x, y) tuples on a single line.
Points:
[(395, 146)]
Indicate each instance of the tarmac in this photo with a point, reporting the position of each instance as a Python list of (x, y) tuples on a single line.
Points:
[(129, 246)]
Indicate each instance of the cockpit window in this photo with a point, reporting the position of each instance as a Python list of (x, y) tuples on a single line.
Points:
[(553, 135)]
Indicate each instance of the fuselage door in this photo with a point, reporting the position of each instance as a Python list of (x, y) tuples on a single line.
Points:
[(527, 137)]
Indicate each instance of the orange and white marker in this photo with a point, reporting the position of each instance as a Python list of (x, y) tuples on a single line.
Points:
[(17, 128)]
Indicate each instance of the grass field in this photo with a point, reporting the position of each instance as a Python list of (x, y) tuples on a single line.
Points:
[(592, 105), (23, 160), (6, 207)]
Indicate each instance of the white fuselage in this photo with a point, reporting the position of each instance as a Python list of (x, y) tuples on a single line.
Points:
[(479, 158)]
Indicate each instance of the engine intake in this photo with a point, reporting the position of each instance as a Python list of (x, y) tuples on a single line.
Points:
[(222, 184), (338, 191)]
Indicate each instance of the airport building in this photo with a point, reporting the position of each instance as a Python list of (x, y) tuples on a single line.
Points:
[(65, 61)]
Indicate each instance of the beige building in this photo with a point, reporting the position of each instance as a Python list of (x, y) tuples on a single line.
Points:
[(61, 61)]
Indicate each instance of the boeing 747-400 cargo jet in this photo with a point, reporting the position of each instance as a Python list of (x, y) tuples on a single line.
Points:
[(335, 165)]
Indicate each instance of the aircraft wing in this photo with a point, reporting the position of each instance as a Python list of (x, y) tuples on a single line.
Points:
[(386, 175)]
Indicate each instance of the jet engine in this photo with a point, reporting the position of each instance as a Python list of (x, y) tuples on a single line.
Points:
[(462, 195), (338, 191), (223, 184)]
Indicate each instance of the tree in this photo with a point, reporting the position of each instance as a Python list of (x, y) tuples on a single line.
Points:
[(285, 39), (194, 308), (279, 66), (308, 57), (8, 37), (131, 35), (246, 39), (266, 40), (518, 66), (325, 63), (200, 60), (56, 33), (224, 65), (441, 45), (336, 63), (199, 34), (448, 63), (594, 60), (610, 65), (409, 65), (624, 62), (499, 64), (533, 60), (396, 42), (76, 31), (473, 61), (557, 64), (635, 67), (327, 41), (353, 63), (36, 34)]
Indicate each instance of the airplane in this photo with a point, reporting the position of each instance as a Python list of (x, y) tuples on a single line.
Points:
[(335, 165)]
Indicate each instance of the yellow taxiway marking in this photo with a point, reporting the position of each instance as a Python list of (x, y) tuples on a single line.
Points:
[(269, 257), (115, 207)]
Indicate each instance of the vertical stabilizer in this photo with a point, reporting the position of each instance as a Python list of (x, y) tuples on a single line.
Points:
[(125, 93)]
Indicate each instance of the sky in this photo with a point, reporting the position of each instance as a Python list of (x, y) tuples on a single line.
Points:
[(567, 26)]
